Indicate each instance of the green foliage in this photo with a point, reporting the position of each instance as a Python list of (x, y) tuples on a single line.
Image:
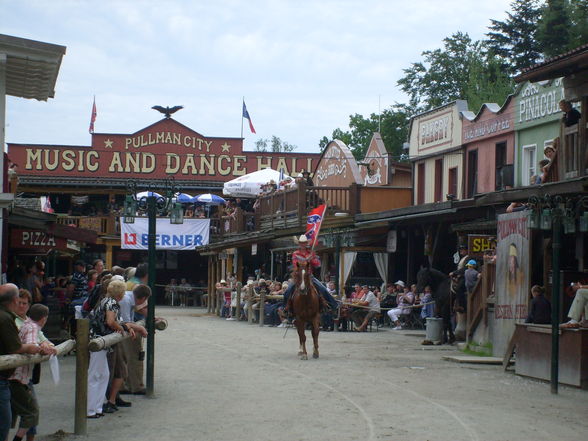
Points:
[(513, 40), (274, 145), (393, 126), (487, 83), (443, 75), (553, 29), (579, 19), (463, 69)]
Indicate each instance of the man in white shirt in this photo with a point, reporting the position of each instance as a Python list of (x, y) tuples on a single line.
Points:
[(369, 306)]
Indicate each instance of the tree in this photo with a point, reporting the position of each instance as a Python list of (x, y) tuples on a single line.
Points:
[(463, 69), (579, 18), (487, 82), (514, 40), (392, 125), (553, 28), (444, 74), (274, 145)]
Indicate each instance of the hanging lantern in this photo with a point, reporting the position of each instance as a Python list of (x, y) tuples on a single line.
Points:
[(584, 222), (176, 214), (569, 224), (546, 219), (129, 210), (534, 221)]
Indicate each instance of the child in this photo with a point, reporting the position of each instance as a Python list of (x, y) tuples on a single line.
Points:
[(23, 400)]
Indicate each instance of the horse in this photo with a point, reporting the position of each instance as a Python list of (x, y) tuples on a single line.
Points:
[(306, 308), (441, 292)]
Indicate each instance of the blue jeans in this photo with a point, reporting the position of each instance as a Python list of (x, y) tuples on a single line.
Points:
[(322, 289), (5, 409)]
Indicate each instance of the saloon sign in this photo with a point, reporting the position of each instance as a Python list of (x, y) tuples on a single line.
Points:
[(164, 149)]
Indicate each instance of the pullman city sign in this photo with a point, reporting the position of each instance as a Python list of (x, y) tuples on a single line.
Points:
[(166, 148)]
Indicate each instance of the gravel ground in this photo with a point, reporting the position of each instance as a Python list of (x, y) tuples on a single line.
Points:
[(222, 380)]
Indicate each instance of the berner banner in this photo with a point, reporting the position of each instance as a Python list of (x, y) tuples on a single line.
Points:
[(187, 236)]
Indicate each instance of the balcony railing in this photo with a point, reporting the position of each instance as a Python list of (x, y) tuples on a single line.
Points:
[(103, 225)]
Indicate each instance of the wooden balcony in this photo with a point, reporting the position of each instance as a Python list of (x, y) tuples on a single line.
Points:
[(289, 209), (103, 225)]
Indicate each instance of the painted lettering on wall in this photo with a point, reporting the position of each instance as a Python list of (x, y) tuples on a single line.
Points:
[(507, 312), (102, 163), (536, 101), (487, 128), (434, 131), (508, 227)]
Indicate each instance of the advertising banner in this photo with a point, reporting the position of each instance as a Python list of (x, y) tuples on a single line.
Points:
[(512, 277), (187, 236)]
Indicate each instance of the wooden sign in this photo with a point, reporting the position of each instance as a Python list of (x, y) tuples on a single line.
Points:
[(478, 243)]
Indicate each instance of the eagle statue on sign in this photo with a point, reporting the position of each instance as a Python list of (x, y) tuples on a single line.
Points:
[(167, 111)]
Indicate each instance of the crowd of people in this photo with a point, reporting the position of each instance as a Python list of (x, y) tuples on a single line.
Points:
[(112, 299)]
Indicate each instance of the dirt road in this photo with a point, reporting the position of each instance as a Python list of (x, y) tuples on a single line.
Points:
[(220, 380)]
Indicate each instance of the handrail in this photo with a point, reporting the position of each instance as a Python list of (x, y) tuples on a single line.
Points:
[(477, 299), (15, 360)]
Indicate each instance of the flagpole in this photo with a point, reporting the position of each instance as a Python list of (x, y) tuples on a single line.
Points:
[(242, 106)]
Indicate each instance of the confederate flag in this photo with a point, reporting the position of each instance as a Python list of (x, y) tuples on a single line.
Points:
[(313, 223)]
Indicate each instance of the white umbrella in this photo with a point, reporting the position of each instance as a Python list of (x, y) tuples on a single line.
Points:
[(145, 194), (210, 199), (184, 198), (249, 185)]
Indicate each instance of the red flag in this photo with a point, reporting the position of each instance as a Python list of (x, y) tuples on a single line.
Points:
[(313, 224), (93, 117)]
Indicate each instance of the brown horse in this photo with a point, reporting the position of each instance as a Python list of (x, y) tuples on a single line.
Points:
[(306, 308)]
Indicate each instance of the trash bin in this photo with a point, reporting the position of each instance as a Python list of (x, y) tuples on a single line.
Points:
[(434, 328)]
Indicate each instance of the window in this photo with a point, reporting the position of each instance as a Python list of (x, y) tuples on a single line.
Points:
[(439, 180), (529, 167), (472, 173), (421, 184), (452, 178), (500, 157)]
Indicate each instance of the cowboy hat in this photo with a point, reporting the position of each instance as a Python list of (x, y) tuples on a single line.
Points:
[(302, 239), (400, 282)]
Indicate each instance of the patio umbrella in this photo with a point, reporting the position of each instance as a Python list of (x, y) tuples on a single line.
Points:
[(249, 185), (184, 198), (144, 194), (209, 199)]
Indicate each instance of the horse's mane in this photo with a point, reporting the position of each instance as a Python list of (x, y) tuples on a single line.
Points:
[(437, 277)]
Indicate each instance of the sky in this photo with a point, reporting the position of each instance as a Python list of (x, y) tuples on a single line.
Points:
[(303, 66)]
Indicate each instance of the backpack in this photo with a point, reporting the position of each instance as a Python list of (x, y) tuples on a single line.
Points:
[(92, 300)]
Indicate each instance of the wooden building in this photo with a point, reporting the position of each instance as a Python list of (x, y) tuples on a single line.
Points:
[(436, 152)]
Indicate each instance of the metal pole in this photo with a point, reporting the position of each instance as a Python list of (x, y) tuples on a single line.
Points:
[(152, 216), (556, 247), (82, 356), (338, 270)]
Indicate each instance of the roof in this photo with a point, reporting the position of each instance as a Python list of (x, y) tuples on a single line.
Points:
[(561, 65), (31, 67), (492, 107)]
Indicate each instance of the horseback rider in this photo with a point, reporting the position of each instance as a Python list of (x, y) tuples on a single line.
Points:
[(304, 253)]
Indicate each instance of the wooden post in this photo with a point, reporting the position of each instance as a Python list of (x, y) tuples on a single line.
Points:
[(212, 297), (108, 263), (82, 361), (238, 307), (250, 304), (210, 285), (261, 306)]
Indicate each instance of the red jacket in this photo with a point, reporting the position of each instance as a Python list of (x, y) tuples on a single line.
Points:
[(308, 255)]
